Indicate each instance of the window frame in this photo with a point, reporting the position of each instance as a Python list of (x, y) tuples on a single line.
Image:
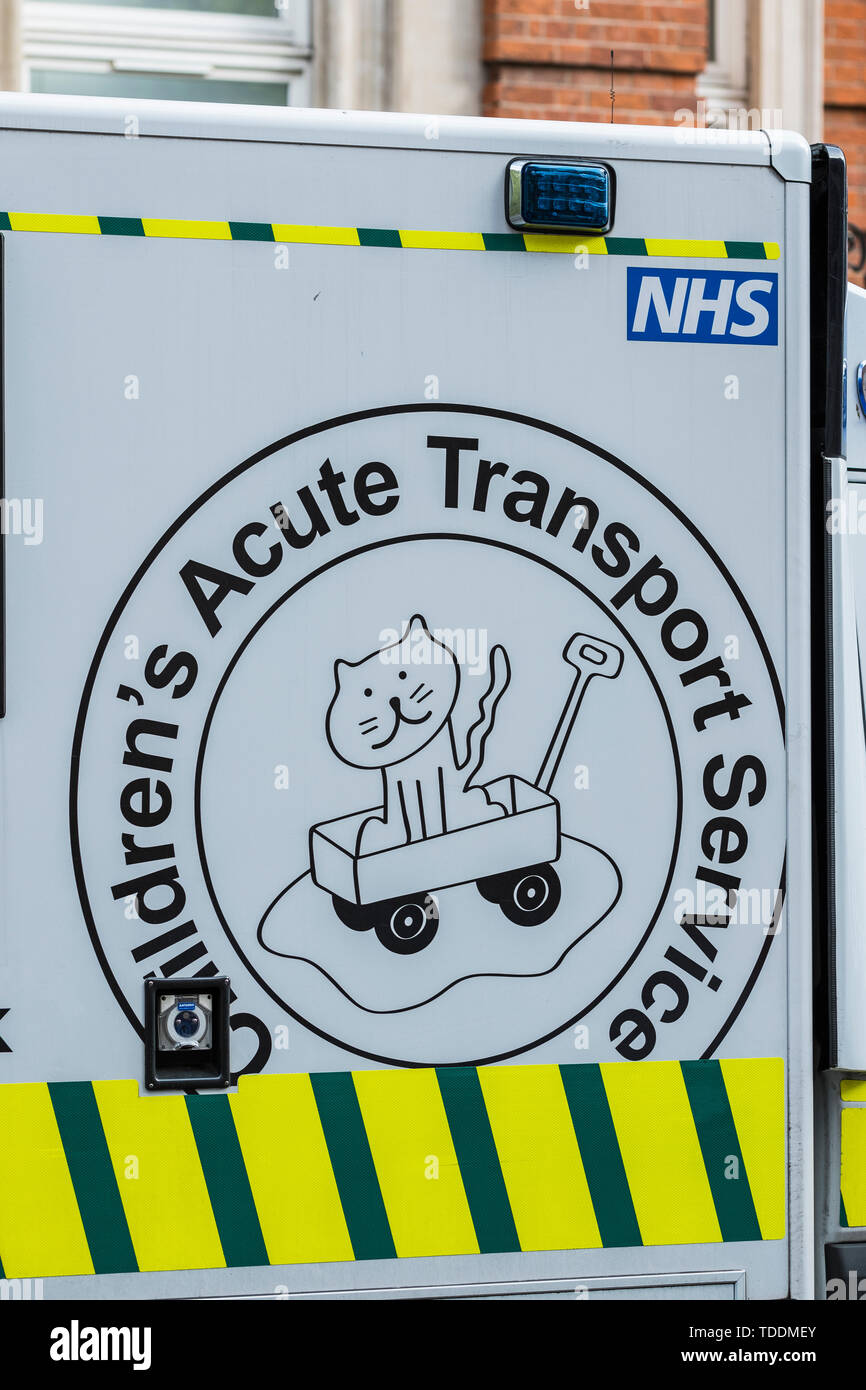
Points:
[(62, 36), (725, 82)]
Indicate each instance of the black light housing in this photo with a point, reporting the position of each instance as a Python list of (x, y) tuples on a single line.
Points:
[(186, 1034)]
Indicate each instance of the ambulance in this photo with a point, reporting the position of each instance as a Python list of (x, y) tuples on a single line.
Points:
[(432, 748)]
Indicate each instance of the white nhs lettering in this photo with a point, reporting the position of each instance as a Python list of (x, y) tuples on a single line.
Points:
[(652, 294)]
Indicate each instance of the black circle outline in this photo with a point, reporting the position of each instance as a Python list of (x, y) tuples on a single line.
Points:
[(205, 732), (309, 431)]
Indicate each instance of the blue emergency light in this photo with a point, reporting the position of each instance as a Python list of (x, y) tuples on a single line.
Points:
[(559, 197)]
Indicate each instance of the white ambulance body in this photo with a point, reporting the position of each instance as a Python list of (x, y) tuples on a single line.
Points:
[(410, 583)]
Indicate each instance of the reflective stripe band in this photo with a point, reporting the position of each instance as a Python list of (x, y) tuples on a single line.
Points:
[(390, 238), (385, 1164)]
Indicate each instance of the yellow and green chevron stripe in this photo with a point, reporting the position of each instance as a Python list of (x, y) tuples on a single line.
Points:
[(381, 1164), (283, 232)]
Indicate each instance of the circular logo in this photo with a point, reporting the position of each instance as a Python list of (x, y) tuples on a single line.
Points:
[(441, 732)]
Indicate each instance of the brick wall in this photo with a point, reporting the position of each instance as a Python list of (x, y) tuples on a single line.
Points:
[(845, 111), (550, 59)]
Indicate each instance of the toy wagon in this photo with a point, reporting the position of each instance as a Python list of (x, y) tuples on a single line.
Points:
[(510, 860)]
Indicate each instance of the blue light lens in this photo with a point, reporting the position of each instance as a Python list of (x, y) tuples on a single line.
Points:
[(566, 195)]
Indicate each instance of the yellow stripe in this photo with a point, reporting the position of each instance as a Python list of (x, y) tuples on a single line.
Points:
[(198, 231), (415, 1162), (41, 1232), (540, 1159), (567, 245), (290, 1173), (756, 1091), (711, 250), (661, 1153), (853, 1089), (772, 250), (52, 222), (316, 236), (159, 1175), (854, 1166), (442, 241)]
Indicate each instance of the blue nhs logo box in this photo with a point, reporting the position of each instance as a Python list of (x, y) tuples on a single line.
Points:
[(703, 306)]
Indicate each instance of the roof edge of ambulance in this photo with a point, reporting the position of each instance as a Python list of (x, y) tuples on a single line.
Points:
[(785, 151)]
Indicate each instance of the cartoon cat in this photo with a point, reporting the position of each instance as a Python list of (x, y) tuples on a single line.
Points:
[(394, 710)]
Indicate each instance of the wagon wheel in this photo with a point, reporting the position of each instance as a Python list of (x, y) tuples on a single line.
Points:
[(407, 925), (526, 896), (360, 917)]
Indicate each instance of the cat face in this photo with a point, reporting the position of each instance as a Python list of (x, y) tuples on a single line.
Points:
[(392, 703)]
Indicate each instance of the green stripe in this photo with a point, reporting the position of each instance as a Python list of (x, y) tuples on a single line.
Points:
[(843, 1215), (227, 1183), (625, 246), (352, 1162), (5, 224), (251, 231), (602, 1160), (503, 241), (477, 1159), (379, 236), (720, 1147), (92, 1175), (121, 226), (746, 250)]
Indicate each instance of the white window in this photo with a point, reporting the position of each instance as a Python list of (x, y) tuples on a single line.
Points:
[(256, 51), (724, 83)]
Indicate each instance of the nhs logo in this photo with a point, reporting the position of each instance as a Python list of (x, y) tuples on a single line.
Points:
[(703, 306)]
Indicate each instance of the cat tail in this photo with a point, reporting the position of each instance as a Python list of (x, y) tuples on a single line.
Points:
[(476, 737)]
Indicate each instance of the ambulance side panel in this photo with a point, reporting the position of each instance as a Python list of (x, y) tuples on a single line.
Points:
[(301, 433)]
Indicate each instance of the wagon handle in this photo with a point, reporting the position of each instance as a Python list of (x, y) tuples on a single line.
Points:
[(589, 656)]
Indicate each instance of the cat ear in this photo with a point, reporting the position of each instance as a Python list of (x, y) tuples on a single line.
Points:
[(339, 664), (416, 624)]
